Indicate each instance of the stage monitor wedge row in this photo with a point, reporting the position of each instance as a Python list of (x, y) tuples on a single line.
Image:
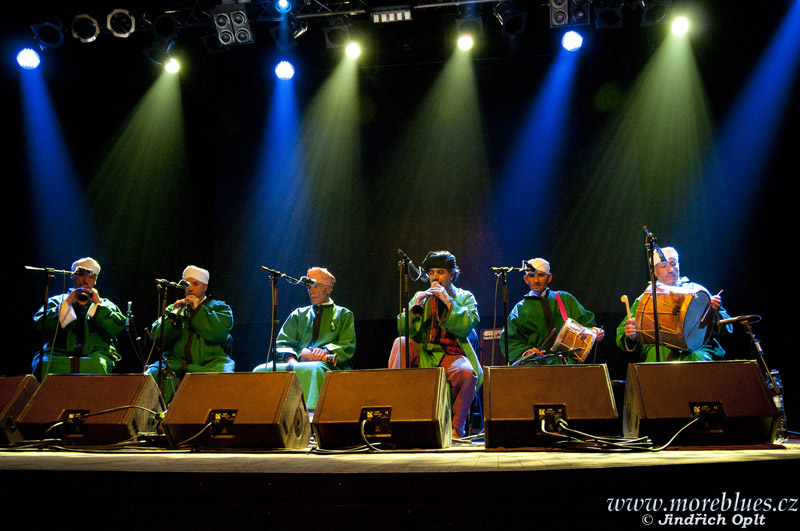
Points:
[(92, 409), (239, 410), (402, 408), (518, 399), (15, 394), (661, 398)]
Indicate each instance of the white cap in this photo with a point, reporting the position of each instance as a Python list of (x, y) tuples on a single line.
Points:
[(86, 263), (197, 273), (539, 264)]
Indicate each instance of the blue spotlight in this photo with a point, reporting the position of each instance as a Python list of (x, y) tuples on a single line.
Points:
[(28, 59), (284, 70), (572, 41), (283, 6)]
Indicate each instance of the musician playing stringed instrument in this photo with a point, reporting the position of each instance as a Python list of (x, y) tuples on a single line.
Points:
[(682, 320)]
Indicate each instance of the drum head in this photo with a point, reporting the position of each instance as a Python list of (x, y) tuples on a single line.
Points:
[(696, 332)]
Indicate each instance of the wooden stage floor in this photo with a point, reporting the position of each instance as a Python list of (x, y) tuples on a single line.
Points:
[(463, 486)]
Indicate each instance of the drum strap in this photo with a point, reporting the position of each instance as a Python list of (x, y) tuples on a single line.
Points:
[(561, 307)]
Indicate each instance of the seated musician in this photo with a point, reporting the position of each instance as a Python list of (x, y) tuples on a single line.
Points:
[(315, 339), (535, 321), (80, 327), (443, 319), (669, 275), (196, 331)]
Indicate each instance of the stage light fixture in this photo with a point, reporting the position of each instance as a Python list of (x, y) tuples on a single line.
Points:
[(298, 27), (337, 32), (84, 28), (48, 35), (397, 14), (569, 13), (353, 50), (578, 12), (469, 25), (680, 26), (608, 14), (654, 11), (511, 19), (232, 25), (572, 41), (284, 70), (283, 6), (28, 59), (465, 42), (121, 23), (559, 15), (165, 32), (172, 66)]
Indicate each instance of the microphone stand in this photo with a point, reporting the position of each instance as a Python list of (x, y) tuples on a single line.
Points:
[(502, 272), (404, 300), (405, 264), (748, 328), (130, 325), (650, 247), (49, 273), (777, 389), (162, 315), (272, 351)]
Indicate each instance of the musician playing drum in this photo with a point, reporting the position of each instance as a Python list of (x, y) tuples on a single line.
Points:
[(535, 321), (668, 275)]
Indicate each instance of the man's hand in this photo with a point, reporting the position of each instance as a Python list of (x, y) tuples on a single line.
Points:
[(532, 351), (313, 354), (437, 290), (630, 329)]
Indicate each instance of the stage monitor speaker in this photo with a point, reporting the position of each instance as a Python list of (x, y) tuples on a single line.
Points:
[(399, 408), (15, 393), (238, 410), (521, 404), (489, 348), (89, 409), (730, 396)]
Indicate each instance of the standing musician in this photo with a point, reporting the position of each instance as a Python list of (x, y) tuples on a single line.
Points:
[(443, 318), (668, 274), (315, 339), (534, 322), (80, 326), (197, 330)]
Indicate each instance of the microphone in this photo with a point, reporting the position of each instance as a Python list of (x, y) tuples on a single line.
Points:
[(307, 282), (740, 319), (661, 255), (421, 275), (178, 285), (652, 239), (128, 317)]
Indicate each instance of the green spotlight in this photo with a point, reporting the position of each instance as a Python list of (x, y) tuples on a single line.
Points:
[(465, 42), (680, 26), (172, 66), (353, 50)]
